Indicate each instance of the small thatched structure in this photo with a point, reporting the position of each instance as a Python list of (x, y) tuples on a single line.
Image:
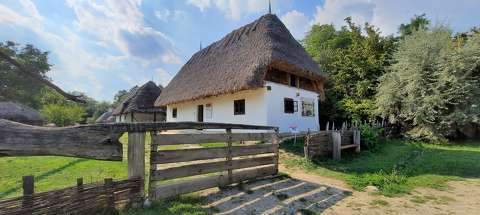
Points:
[(242, 61), (138, 105), (20, 113), (105, 118)]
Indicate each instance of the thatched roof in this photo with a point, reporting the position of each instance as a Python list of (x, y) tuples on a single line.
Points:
[(239, 61), (140, 100), (20, 113), (106, 117)]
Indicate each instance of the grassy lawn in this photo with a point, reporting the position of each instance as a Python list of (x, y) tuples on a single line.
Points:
[(396, 167)]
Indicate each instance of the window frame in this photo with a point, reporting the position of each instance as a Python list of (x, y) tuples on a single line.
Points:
[(239, 104), (290, 111), (174, 113)]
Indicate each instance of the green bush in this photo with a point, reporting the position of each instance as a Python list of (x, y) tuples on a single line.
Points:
[(63, 115), (369, 136)]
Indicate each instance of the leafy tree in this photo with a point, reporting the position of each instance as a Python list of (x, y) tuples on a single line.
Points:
[(418, 22), (58, 110), (119, 97), (433, 88), (354, 57), (16, 86)]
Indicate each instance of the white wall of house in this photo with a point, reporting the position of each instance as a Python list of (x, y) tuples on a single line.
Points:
[(262, 107), (278, 117), (222, 108)]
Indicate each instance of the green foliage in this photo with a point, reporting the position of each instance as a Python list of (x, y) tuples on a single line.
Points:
[(418, 22), (354, 57), (369, 136), (185, 205), (56, 109), (433, 88), (119, 97), (14, 86)]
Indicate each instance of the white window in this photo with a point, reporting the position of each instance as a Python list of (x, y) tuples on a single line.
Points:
[(308, 107), (208, 111)]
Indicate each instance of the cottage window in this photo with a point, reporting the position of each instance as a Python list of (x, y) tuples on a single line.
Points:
[(239, 107), (308, 108), (174, 113), (293, 80), (288, 105)]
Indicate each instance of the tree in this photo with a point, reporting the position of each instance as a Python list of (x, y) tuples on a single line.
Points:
[(14, 85), (119, 97), (433, 89), (418, 22), (353, 60), (58, 110)]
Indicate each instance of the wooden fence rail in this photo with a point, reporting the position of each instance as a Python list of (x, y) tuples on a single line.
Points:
[(326, 143), (80, 199), (240, 162)]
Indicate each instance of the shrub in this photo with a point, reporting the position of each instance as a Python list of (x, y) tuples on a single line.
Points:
[(369, 136), (63, 115)]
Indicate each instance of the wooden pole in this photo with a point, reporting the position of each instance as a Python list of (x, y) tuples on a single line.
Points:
[(136, 157), (229, 154), (28, 190), (356, 140), (306, 151), (337, 145), (276, 140), (109, 193)]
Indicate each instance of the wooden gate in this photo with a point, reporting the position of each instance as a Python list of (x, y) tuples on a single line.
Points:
[(238, 160)]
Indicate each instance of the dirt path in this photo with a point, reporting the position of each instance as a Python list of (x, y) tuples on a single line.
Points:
[(462, 197)]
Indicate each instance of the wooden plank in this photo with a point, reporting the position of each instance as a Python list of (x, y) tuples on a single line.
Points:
[(337, 142), (348, 146), (136, 155), (177, 139), (356, 140), (204, 168), (193, 185), (229, 155), (182, 155)]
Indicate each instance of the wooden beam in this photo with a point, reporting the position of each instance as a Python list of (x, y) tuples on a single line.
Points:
[(337, 143), (193, 185), (210, 167), (182, 155), (18, 139), (177, 139)]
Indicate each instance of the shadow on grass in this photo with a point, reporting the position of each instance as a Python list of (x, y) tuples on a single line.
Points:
[(43, 176)]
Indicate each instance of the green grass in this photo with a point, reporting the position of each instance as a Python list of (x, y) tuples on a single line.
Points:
[(397, 166), (186, 204)]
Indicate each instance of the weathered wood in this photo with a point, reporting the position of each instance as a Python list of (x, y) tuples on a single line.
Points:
[(204, 168), (136, 155), (18, 139), (275, 141), (109, 192), (181, 155), (356, 140), (337, 143), (177, 139), (193, 185), (229, 156), (348, 146)]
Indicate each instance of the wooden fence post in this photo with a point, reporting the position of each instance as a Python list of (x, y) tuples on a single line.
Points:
[(229, 155), (276, 140), (306, 151), (28, 190), (108, 183), (153, 167), (136, 157), (356, 140), (337, 145)]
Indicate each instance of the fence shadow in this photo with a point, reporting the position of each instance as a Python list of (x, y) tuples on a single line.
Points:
[(42, 176), (278, 195)]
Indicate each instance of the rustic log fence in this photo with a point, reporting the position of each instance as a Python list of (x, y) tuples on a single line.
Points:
[(80, 199), (100, 141), (331, 143), (232, 163)]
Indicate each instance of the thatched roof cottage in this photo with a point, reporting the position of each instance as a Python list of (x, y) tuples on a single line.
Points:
[(20, 113), (257, 74), (138, 106), (106, 117)]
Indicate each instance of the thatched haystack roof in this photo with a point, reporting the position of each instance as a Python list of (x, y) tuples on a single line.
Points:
[(106, 117), (240, 61), (20, 113), (140, 100)]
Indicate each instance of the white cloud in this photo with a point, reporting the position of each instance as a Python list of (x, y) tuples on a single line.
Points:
[(297, 23), (163, 76), (120, 23), (235, 9), (388, 15), (166, 15)]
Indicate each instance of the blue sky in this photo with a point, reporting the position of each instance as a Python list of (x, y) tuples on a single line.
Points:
[(100, 47)]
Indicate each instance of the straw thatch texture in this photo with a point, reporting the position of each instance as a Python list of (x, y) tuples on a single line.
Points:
[(140, 100), (105, 118), (20, 113), (240, 61)]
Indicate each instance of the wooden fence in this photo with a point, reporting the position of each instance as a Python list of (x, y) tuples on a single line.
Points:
[(232, 164), (326, 143), (81, 199)]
